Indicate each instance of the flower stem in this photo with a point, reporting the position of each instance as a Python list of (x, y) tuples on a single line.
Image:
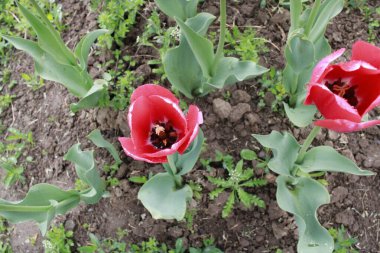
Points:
[(173, 171), (222, 34), (307, 143)]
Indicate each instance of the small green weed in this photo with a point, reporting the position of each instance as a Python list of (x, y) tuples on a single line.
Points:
[(343, 242), (272, 82), (118, 17), (111, 171), (245, 44), (58, 240), (5, 102), (32, 81), (11, 150), (238, 179), (5, 246)]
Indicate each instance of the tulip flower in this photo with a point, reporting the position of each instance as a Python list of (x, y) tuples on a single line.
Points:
[(158, 126), (345, 92)]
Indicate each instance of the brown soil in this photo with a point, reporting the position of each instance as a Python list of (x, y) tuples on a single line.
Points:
[(45, 112)]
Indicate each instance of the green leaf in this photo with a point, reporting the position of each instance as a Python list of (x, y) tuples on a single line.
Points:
[(162, 199), (48, 39), (248, 154), (97, 138), (322, 48), (85, 167), (301, 115), (182, 9), (215, 193), (329, 9), (138, 179), (220, 182), (187, 76), (82, 50), (284, 148), (325, 158), (295, 14), (48, 68), (201, 47), (256, 182), (187, 161), (230, 70), (299, 54), (303, 200), (91, 98), (41, 204), (229, 206)]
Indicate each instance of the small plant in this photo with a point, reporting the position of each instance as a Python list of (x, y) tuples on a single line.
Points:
[(238, 179), (5, 246), (5, 102), (33, 81), (58, 240), (244, 44), (118, 17), (272, 82), (11, 151), (342, 241)]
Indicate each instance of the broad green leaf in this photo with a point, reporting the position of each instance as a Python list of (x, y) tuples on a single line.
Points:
[(201, 47), (83, 48), (284, 148), (303, 200), (325, 158), (329, 9), (230, 70), (182, 9), (91, 98), (41, 204), (187, 76), (162, 199), (295, 13), (97, 138), (187, 161), (301, 115), (85, 167), (248, 154), (48, 68), (299, 54), (48, 39), (322, 48)]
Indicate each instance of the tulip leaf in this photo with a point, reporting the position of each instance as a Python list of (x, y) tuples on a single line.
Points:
[(299, 54), (161, 198), (230, 70), (82, 50), (284, 148), (325, 158), (97, 138), (48, 68), (201, 47), (303, 200), (48, 39), (322, 48), (295, 12), (182, 9), (301, 115), (329, 9), (187, 161), (41, 204), (91, 98), (86, 169), (187, 76)]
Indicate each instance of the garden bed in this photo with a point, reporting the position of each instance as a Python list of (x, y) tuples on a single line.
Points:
[(45, 112)]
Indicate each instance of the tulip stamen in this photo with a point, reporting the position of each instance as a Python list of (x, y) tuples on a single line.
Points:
[(344, 90), (163, 135)]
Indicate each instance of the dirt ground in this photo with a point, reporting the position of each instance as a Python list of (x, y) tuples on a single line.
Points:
[(45, 112)]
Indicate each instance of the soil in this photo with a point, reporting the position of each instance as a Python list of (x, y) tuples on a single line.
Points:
[(228, 127)]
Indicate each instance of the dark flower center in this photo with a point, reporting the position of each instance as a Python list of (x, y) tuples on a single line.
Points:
[(163, 135), (345, 90)]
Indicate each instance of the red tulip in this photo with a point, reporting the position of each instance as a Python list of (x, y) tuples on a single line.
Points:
[(345, 92), (158, 126)]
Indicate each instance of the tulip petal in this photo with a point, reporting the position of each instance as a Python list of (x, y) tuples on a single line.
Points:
[(130, 150), (367, 92), (330, 105), (323, 64), (344, 126), (139, 119), (367, 52), (153, 89), (194, 119)]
